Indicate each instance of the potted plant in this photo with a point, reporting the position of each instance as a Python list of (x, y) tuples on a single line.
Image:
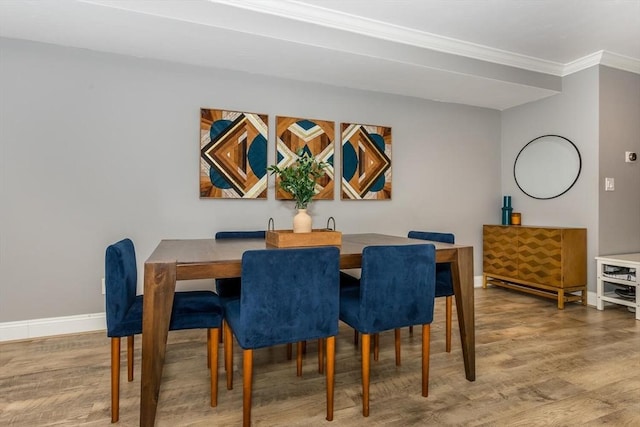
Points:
[(299, 179)]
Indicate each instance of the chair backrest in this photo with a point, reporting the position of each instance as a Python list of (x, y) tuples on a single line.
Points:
[(121, 278), (289, 295), (433, 236), (240, 235), (397, 286), (443, 270)]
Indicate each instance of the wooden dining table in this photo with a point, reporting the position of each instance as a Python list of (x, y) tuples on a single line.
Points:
[(191, 259)]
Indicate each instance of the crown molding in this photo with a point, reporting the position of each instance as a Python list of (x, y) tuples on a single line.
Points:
[(620, 62), (316, 15), (583, 63), (603, 57)]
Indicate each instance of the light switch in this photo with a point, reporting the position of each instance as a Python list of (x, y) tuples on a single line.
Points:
[(609, 184)]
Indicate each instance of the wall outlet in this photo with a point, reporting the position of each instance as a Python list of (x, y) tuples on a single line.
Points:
[(103, 287), (630, 156)]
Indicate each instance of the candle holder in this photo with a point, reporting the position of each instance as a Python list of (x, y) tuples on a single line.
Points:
[(516, 218)]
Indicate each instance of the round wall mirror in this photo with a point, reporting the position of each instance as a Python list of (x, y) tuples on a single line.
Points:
[(547, 167)]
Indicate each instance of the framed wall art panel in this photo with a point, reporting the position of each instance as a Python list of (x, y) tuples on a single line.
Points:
[(233, 154), (313, 136), (366, 162)]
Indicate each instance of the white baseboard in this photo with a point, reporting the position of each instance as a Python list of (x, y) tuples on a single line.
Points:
[(592, 299), (25, 329), (477, 281)]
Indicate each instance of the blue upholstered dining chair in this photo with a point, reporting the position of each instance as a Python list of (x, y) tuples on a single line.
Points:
[(191, 310), (287, 296), (397, 289), (444, 280), (230, 287)]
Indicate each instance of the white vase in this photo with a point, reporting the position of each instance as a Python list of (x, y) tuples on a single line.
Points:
[(302, 222)]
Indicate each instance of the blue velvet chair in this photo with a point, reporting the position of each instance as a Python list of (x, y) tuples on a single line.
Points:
[(444, 280), (287, 296), (191, 310), (397, 289), (230, 287)]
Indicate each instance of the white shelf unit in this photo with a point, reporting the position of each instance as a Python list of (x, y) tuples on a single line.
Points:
[(608, 281)]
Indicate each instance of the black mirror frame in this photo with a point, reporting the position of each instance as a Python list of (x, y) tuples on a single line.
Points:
[(568, 188)]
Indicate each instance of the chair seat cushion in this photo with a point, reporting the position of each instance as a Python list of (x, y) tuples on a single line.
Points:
[(191, 310), (226, 288), (266, 337), (444, 288), (347, 280), (131, 322), (196, 309), (396, 289)]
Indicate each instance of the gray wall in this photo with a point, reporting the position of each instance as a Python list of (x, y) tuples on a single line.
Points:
[(96, 147), (574, 115), (619, 210)]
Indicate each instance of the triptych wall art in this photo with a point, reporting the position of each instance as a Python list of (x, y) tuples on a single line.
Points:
[(366, 162), (312, 136), (233, 155)]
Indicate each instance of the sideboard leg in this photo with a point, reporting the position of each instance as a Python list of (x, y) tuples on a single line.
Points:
[(560, 299)]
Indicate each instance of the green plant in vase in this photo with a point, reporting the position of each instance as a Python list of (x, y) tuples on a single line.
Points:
[(299, 180)]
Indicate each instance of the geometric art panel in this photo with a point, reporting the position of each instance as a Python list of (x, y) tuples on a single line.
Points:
[(233, 154), (314, 137), (366, 162)]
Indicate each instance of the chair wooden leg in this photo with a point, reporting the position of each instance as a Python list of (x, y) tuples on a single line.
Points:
[(410, 331), (299, 350), (426, 337), (130, 358), (214, 338), (289, 351), (209, 348), (366, 360), (247, 366), (376, 347), (397, 340), (355, 337), (449, 309), (115, 379), (320, 355), (228, 354), (331, 362)]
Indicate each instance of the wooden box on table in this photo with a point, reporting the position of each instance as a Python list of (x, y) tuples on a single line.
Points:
[(289, 239)]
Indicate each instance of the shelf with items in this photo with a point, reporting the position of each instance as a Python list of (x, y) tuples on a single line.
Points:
[(618, 281), (609, 294)]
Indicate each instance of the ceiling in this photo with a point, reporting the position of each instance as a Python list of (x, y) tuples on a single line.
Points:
[(491, 53)]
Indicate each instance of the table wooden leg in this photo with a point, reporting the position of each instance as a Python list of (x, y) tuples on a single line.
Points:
[(462, 271), (159, 288)]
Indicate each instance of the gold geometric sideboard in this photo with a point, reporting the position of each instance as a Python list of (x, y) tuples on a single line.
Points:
[(546, 261)]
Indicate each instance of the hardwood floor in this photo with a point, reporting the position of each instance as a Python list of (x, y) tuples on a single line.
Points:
[(536, 366)]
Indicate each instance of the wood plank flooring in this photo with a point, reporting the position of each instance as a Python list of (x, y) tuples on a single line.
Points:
[(536, 366)]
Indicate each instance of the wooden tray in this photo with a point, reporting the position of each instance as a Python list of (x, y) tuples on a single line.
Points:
[(289, 239)]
